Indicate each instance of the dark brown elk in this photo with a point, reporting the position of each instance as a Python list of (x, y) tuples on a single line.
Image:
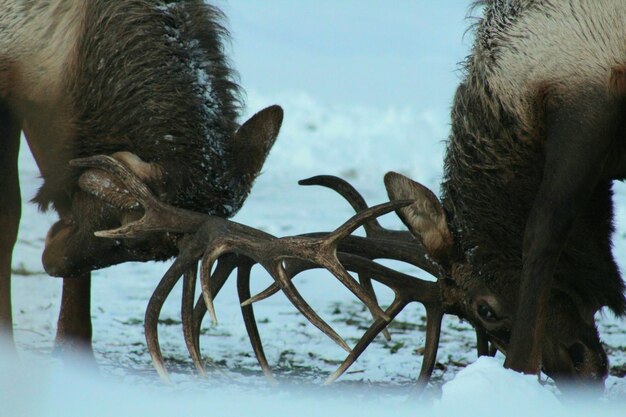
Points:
[(525, 219), (146, 82)]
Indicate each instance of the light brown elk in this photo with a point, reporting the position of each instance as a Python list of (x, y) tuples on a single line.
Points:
[(146, 82)]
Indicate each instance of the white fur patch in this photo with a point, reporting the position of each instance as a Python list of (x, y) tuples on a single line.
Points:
[(38, 37), (566, 43)]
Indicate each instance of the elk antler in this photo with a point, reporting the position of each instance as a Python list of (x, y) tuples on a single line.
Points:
[(232, 246), (208, 238), (357, 255), (406, 288), (372, 227)]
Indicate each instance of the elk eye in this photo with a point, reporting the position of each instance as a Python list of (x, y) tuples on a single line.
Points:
[(486, 312)]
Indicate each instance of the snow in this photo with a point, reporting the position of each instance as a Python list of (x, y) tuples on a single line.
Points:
[(366, 88), (488, 387)]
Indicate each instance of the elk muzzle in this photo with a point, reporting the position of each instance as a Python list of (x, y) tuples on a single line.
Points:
[(572, 352), (73, 249)]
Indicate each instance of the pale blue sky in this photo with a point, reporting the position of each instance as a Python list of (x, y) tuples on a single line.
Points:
[(378, 53)]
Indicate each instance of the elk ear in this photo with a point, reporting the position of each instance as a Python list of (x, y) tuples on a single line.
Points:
[(425, 218), (253, 141)]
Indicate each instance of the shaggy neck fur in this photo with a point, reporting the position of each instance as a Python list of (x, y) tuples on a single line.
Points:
[(151, 78)]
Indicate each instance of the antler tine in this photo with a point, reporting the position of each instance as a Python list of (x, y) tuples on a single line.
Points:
[(407, 289), (411, 288), (162, 291), (434, 316), (394, 309), (366, 283), (324, 251), (323, 248), (361, 217), (266, 254), (277, 272), (369, 248), (372, 227), (158, 216), (355, 199), (292, 268), (243, 290), (189, 289), (225, 265), (205, 278), (414, 289), (346, 279), (270, 252), (347, 191)]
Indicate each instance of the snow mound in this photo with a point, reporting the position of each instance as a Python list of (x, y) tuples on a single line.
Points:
[(485, 388)]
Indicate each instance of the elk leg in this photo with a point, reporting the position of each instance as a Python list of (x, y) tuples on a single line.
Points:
[(74, 329), (10, 213), (579, 136)]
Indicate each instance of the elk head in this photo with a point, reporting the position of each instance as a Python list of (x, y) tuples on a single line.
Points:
[(571, 349), (103, 202)]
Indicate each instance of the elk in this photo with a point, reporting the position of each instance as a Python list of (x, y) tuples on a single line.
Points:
[(520, 240), (146, 82), (525, 219)]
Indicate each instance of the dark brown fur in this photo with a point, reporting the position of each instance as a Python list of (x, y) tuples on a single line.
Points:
[(132, 85), (538, 136), (488, 191)]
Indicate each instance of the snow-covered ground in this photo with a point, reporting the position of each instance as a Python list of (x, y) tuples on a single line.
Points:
[(366, 88)]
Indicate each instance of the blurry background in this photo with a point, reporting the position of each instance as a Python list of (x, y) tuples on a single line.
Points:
[(349, 52)]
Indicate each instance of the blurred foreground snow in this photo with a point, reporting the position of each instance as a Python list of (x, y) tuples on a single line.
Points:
[(483, 389)]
